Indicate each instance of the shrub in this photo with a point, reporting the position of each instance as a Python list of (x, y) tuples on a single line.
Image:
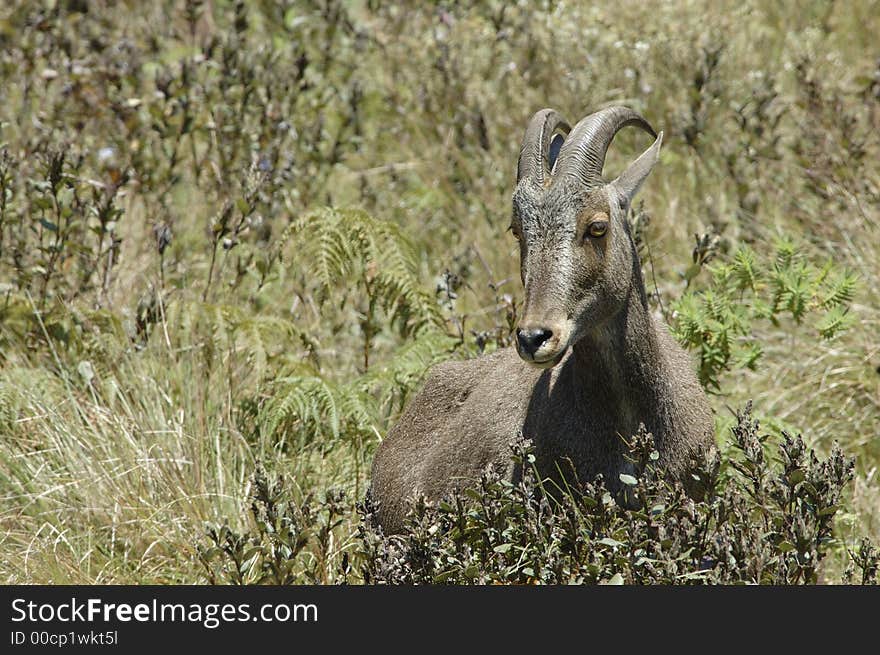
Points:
[(765, 516), (288, 542)]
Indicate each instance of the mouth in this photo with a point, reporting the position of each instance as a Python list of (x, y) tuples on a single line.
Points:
[(545, 362)]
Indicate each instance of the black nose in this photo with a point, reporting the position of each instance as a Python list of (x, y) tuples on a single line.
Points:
[(531, 340)]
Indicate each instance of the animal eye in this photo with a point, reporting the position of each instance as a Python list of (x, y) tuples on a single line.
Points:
[(597, 229), (516, 233)]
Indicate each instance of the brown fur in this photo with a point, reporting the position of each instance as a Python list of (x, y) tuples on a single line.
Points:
[(607, 368)]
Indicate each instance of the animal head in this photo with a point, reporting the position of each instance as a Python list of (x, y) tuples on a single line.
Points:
[(577, 257)]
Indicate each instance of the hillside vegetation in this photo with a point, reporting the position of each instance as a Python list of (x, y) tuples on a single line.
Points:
[(234, 235)]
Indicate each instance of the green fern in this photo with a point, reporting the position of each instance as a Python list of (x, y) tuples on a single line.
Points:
[(310, 400), (839, 290), (337, 247), (793, 289), (834, 322), (786, 250), (717, 321), (311, 406), (391, 382), (745, 268), (265, 343)]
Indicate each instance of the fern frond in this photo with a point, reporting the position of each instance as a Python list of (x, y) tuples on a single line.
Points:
[(836, 320), (396, 378), (224, 331), (717, 321), (841, 290), (745, 269), (786, 251), (313, 407), (341, 246), (309, 401), (324, 246), (792, 289)]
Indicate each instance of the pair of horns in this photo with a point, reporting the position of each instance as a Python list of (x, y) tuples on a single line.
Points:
[(582, 153)]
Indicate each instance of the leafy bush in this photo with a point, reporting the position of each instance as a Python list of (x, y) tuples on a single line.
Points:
[(759, 521), (289, 542), (765, 516)]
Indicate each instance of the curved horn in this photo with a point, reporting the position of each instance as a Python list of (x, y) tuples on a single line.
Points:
[(534, 154), (583, 153)]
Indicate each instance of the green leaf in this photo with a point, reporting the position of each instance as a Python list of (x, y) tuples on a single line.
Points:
[(444, 576), (628, 479), (49, 225)]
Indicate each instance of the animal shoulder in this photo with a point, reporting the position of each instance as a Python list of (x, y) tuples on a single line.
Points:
[(454, 384)]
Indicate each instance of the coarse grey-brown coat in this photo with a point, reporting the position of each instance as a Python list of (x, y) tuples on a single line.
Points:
[(591, 362)]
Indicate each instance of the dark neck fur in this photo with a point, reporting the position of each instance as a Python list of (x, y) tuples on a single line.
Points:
[(621, 359)]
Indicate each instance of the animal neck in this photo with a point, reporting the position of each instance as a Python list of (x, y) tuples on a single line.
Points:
[(623, 359)]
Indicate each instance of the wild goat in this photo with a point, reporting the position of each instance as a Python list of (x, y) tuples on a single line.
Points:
[(592, 362)]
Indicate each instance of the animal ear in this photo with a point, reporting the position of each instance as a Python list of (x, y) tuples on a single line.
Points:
[(628, 183)]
